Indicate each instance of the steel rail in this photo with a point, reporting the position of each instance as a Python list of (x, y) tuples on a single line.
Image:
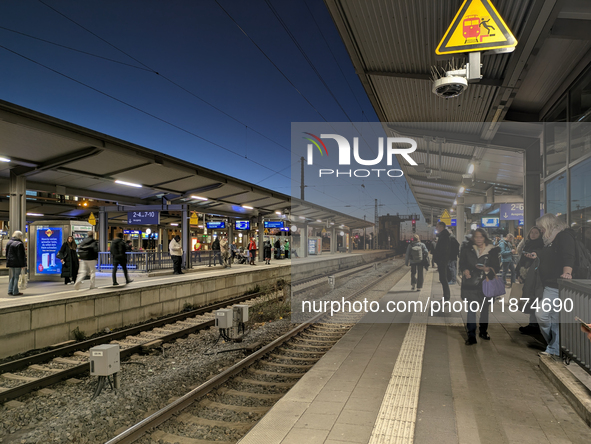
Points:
[(138, 430)]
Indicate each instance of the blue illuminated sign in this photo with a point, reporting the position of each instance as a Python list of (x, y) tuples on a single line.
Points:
[(242, 225), (490, 222), (511, 211), (143, 217), (49, 242), (131, 231), (273, 224), (216, 225)]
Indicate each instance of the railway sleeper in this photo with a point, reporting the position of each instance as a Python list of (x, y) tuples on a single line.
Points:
[(294, 358), (296, 350), (68, 361), (235, 408), (256, 371), (275, 364), (159, 435), (14, 377), (41, 368), (187, 418), (242, 380), (243, 394)]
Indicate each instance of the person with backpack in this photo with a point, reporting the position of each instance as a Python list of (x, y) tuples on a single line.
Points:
[(557, 260), (507, 251), (452, 267), (16, 261), (88, 252), (119, 254), (416, 252)]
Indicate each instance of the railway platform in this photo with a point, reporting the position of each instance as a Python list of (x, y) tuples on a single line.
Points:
[(49, 312), (391, 380)]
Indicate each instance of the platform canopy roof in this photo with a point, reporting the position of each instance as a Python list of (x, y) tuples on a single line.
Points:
[(66, 159), (392, 46)]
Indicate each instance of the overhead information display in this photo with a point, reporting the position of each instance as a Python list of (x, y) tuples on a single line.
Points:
[(476, 27)]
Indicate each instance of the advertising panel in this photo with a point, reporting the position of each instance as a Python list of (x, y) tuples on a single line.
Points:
[(49, 242)]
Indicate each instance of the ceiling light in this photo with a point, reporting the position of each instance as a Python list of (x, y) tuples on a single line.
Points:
[(302, 217), (455, 202), (198, 198), (175, 225), (471, 168), (278, 213), (34, 214), (85, 204), (129, 184), (247, 207), (462, 189), (4, 159), (318, 220)]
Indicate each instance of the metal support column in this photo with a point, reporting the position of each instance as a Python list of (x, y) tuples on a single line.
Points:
[(461, 220), (17, 215), (531, 187), (304, 240), (164, 239), (350, 242), (103, 229), (333, 240), (261, 239), (186, 236)]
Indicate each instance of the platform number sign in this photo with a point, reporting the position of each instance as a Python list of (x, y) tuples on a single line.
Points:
[(143, 217)]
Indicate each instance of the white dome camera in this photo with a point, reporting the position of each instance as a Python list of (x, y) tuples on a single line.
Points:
[(451, 86)]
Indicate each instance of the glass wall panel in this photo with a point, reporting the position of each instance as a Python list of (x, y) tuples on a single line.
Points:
[(581, 201), (556, 138), (556, 196)]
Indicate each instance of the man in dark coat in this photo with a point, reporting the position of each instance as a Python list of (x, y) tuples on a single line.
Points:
[(454, 252), (441, 257), (16, 260), (118, 251)]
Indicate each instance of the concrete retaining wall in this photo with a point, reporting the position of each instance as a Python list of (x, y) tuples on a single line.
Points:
[(40, 325)]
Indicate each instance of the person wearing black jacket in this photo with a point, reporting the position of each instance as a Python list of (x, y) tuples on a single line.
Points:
[(16, 260), (119, 253), (532, 244), (479, 259), (452, 268), (557, 260), (69, 258), (441, 257), (88, 252)]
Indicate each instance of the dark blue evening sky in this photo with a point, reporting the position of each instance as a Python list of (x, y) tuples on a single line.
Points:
[(196, 45)]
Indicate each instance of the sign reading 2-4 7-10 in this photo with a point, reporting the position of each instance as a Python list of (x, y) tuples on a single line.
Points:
[(143, 217)]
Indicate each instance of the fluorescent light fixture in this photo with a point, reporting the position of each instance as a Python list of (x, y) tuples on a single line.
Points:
[(462, 189), (302, 217), (247, 207), (278, 213), (34, 214), (318, 220), (471, 168), (175, 225), (332, 223), (198, 198), (455, 202), (4, 159), (129, 184), (199, 226)]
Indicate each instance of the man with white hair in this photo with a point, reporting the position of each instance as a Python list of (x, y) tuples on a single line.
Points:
[(16, 260)]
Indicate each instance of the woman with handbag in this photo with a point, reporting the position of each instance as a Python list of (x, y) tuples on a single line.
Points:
[(69, 258), (479, 259), (532, 243)]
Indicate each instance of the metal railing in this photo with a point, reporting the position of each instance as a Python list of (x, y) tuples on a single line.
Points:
[(574, 344), (141, 262)]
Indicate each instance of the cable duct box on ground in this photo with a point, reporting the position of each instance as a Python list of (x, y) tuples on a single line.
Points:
[(104, 360), (224, 318)]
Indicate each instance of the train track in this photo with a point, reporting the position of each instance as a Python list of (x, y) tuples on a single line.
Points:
[(229, 404), (25, 375)]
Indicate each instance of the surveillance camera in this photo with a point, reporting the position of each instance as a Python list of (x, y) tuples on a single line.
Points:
[(448, 87)]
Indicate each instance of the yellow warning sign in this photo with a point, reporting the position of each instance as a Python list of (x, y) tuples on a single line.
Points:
[(194, 219), (476, 27), (445, 218), (92, 219)]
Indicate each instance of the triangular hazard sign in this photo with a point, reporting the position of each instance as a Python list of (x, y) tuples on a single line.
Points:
[(92, 219), (476, 27), (445, 217)]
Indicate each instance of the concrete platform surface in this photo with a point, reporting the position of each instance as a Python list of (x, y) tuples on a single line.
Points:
[(384, 383)]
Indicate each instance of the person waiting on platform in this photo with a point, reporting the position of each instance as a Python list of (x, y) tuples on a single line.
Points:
[(533, 243), (286, 248), (454, 252), (277, 247), (479, 258), (233, 251), (416, 252), (507, 251), (252, 249), (267, 252), (16, 261), (441, 257), (176, 254), (557, 260), (69, 258), (88, 251), (225, 252), (119, 254), (215, 247)]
